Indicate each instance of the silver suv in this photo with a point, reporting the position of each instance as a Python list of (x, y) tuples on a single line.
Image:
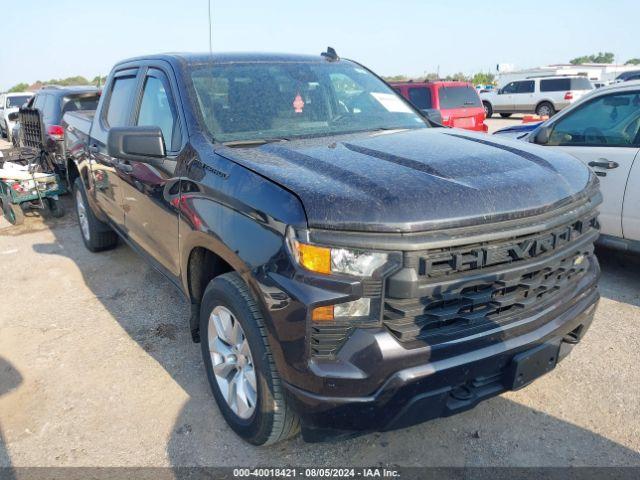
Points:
[(540, 95)]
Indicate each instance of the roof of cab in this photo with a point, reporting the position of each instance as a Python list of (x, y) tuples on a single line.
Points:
[(241, 57)]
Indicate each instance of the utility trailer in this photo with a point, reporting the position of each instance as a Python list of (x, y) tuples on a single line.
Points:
[(27, 177)]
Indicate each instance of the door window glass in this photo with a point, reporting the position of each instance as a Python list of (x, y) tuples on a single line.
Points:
[(610, 121), (156, 109), (525, 87), (420, 97), (510, 88), (120, 101)]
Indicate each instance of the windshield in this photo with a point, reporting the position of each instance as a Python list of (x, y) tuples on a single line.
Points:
[(17, 101), (248, 101)]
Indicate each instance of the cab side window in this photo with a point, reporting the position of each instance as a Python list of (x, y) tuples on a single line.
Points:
[(158, 109), (120, 101), (608, 121)]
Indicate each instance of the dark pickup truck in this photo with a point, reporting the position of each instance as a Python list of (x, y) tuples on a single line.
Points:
[(351, 266)]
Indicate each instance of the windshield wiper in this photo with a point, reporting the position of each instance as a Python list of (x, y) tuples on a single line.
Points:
[(253, 142)]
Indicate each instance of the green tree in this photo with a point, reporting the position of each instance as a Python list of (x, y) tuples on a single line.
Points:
[(633, 61), (600, 57), (20, 87), (483, 78)]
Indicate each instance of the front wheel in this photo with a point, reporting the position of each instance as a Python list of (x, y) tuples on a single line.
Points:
[(505, 115), (488, 110), (240, 366)]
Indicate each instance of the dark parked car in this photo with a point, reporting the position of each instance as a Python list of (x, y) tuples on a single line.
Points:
[(53, 102), (349, 267)]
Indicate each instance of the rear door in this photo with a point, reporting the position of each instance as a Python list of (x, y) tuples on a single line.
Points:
[(149, 188), (603, 134), (523, 99), (105, 170)]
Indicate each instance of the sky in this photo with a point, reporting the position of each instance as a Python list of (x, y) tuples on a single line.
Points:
[(45, 39)]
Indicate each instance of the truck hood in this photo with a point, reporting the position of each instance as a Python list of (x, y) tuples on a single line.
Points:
[(416, 180)]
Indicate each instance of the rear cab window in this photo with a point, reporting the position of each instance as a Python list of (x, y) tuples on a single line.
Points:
[(458, 97)]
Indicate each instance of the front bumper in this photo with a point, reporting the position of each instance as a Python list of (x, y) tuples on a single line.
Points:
[(444, 387)]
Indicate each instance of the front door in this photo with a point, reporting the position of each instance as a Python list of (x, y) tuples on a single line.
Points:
[(149, 188), (603, 134), (504, 98), (105, 170)]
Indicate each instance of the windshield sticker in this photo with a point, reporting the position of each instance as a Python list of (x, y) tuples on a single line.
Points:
[(298, 104), (391, 102)]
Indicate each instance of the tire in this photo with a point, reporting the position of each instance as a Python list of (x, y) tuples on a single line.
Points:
[(268, 418), (55, 207), (96, 235), (545, 109), (488, 109), (505, 115), (12, 212)]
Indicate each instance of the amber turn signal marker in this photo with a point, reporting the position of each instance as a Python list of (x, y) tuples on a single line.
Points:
[(322, 314), (316, 259)]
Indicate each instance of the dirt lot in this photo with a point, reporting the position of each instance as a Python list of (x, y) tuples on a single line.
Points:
[(97, 369)]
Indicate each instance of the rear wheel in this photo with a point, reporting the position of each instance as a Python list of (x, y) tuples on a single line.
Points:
[(488, 110), (545, 109), (55, 207), (239, 364), (96, 235), (505, 115)]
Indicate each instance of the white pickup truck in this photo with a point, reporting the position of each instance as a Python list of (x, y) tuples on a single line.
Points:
[(603, 131)]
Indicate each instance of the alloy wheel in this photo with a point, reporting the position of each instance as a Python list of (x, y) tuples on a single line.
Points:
[(232, 362)]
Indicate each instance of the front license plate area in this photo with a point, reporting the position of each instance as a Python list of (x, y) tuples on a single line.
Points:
[(527, 366)]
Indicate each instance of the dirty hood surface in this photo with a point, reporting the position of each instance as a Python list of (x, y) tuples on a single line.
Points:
[(415, 180)]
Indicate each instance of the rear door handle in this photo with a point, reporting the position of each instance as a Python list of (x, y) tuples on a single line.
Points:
[(604, 163)]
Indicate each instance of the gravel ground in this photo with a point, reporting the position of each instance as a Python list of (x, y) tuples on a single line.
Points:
[(97, 369)]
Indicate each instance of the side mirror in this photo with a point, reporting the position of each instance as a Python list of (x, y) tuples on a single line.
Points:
[(138, 144), (542, 135), (433, 114), (13, 116)]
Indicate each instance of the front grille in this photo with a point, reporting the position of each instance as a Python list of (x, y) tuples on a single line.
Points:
[(493, 283)]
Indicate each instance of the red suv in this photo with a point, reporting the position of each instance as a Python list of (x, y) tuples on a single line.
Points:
[(457, 102)]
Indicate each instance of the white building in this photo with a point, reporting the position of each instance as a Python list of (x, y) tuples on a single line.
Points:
[(597, 72)]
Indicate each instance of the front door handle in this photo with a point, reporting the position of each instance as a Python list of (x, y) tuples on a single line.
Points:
[(604, 163)]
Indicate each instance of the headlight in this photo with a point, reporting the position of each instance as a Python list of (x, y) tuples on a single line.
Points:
[(335, 260)]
